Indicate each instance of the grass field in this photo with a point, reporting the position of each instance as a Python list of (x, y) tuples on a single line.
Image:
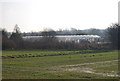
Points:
[(60, 64)]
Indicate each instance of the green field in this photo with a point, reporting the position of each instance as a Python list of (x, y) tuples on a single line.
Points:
[(94, 64)]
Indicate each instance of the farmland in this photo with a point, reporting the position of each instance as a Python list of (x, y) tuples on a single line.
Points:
[(47, 64)]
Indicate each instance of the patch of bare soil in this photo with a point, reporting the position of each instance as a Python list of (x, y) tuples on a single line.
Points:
[(80, 68)]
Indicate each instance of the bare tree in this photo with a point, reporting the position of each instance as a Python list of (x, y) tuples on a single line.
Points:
[(48, 33), (16, 37)]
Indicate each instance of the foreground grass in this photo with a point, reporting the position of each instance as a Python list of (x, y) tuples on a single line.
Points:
[(70, 66)]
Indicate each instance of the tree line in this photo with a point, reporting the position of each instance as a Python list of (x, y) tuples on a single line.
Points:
[(50, 41), (72, 31)]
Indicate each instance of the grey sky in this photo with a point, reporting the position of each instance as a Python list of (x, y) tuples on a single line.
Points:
[(35, 15)]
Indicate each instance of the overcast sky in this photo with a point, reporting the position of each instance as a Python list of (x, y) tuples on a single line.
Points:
[(35, 15)]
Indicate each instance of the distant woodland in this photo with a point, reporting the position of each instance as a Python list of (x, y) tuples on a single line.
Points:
[(14, 40)]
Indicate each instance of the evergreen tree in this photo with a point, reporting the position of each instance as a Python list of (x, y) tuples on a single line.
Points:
[(114, 35), (4, 39)]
